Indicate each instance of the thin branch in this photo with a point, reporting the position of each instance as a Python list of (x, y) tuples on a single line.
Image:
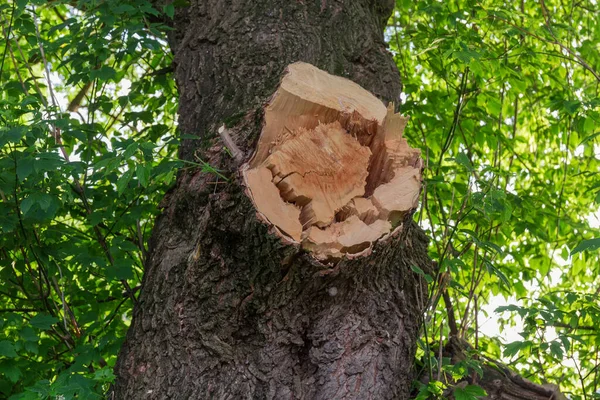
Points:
[(44, 60), (238, 155), (12, 13)]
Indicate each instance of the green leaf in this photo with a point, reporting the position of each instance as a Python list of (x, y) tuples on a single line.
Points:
[(510, 307), (470, 392), (24, 168), (43, 321), (7, 349), (588, 125), (13, 135), (169, 10), (565, 342), (564, 253), (123, 8), (462, 159), (40, 201), (130, 150), (123, 181), (571, 106), (29, 335), (40, 390), (143, 174), (496, 272), (104, 73), (22, 3), (11, 371), (419, 271), (589, 244), (556, 350), (32, 347), (122, 270), (513, 348), (416, 269), (590, 137), (27, 203), (494, 106)]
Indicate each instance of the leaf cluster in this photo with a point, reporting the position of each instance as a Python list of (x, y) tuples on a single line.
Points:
[(87, 148), (503, 101)]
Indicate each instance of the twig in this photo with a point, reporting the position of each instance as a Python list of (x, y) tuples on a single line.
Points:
[(450, 311), (238, 155), (440, 352), (12, 13), (44, 60), (459, 107)]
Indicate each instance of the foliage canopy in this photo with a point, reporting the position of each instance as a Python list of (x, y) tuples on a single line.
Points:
[(503, 101)]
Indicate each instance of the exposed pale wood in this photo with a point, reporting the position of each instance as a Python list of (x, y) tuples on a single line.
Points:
[(285, 216), (330, 91), (390, 151), (357, 235), (323, 243), (366, 210), (361, 129), (320, 169), (306, 90), (361, 207), (332, 169), (350, 236), (399, 196)]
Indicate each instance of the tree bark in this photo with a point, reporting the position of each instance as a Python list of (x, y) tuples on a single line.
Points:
[(227, 310)]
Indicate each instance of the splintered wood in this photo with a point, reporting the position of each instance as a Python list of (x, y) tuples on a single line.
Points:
[(331, 169), (320, 170)]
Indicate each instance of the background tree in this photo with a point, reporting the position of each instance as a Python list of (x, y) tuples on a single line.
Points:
[(503, 103)]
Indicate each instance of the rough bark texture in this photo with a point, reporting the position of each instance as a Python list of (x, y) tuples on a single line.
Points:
[(227, 311)]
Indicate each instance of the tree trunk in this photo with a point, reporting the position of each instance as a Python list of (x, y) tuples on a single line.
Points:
[(227, 309)]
